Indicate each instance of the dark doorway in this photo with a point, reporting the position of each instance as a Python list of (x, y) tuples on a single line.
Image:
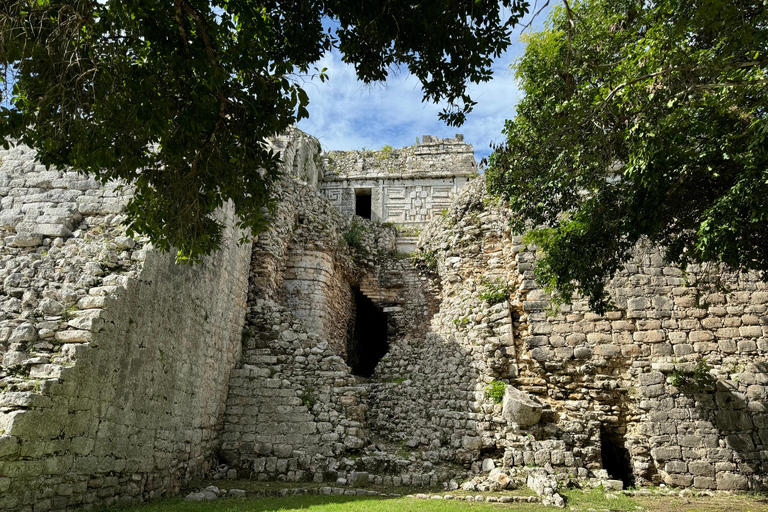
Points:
[(367, 343), (363, 202), (616, 459)]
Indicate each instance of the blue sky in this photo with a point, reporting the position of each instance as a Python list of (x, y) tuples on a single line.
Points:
[(346, 114)]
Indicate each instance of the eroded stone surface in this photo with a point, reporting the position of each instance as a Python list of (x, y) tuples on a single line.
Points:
[(125, 376)]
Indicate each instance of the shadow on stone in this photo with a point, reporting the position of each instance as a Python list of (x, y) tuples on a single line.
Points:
[(368, 341)]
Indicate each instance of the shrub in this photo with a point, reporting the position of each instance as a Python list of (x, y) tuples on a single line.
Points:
[(495, 391), (494, 292)]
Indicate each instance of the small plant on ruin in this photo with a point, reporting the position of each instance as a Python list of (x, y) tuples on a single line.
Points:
[(698, 378), (493, 292), (386, 152), (307, 397), (404, 230), (677, 378), (395, 380), (701, 373), (495, 391), (354, 238), (405, 452), (426, 260), (68, 313), (461, 322)]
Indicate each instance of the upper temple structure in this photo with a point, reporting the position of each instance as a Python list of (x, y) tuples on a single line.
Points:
[(408, 187), (386, 328)]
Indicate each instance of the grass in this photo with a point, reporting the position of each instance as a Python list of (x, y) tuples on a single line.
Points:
[(576, 500), (596, 499), (315, 503)]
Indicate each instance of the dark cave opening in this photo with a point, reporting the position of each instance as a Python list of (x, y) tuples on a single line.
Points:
[(363, 203), (367, 342), (615, 456)]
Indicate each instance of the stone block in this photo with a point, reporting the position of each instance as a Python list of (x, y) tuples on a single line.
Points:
[(731, 482), (23, 333), (678, 480), (676, 466), (696, 336), (472, 442), (520, 408), (746, 346), (655, 336), (741, 443), (647, 379), (9, 447), (73, 336), (665, 453), (608, 350), (701, 468), (582, 352), (732, 420), (25, 240), (54, 230), (358, 479), (750, 331)]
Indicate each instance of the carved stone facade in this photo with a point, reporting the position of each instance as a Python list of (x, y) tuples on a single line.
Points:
[(408, 187)]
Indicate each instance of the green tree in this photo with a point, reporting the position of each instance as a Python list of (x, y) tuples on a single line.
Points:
[(179, 96), (640, 121)]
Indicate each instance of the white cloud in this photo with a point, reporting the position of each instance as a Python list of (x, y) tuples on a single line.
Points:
[(346, 114)]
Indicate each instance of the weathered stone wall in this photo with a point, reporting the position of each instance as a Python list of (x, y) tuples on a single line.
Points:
[(294, 407), (604, 379), (408, 186), (428, 393), (124, 374), (315, 289), (116, 360)]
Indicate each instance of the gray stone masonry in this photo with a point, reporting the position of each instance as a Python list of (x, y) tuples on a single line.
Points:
[(125, 376), (677, 374), (115, 361), (408, 186)]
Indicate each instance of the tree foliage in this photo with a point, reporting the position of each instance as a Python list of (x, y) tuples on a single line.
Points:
[(179, 96), (640, 121)]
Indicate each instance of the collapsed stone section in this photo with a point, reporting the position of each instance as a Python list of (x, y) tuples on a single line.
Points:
[(115, 361), (677, 370), (294, 406)]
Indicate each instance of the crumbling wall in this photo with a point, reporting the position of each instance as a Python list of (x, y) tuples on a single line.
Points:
[(408, 186), (315, 289), (115, 360), (677, 373), (428, 395), (294, 407)]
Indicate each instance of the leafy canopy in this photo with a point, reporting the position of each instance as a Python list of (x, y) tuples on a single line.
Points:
[(179, 96), (640, 121)]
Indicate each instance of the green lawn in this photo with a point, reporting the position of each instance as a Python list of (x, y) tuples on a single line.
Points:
[(576, 500), (315, 503)]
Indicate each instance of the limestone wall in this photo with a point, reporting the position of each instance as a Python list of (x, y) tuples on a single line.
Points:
[(294, 407), (115, 360), (408, 186), (674, 380), (316, 291)]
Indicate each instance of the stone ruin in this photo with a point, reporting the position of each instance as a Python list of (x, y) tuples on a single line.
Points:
[(319, 352)]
